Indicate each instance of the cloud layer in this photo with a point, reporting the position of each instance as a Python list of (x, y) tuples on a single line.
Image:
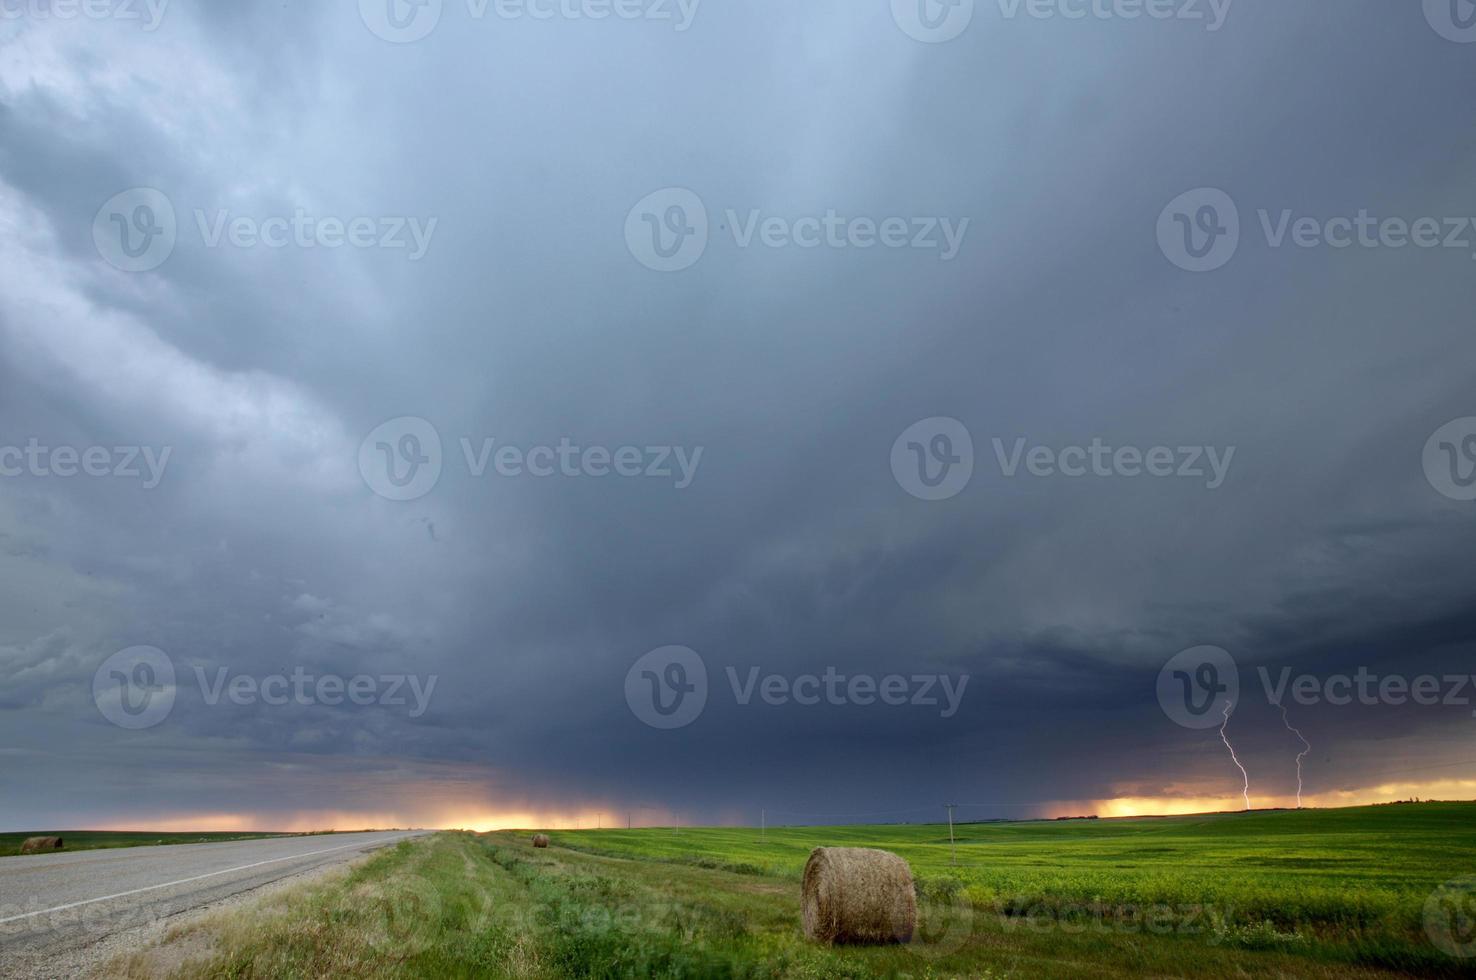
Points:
[(261, 355)]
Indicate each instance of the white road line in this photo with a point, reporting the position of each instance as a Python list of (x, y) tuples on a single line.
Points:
[(183, 881)]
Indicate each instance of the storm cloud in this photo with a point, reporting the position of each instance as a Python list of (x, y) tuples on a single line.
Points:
[(379, 218)]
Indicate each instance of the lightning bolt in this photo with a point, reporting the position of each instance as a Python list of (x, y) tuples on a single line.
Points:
[(1245, 790), (1300, 755)]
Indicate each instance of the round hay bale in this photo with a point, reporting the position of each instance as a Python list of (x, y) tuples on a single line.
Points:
[(540, 840), (858, 895), (34, 845)]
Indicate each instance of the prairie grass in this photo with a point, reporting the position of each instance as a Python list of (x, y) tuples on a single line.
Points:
[(1292, 894)]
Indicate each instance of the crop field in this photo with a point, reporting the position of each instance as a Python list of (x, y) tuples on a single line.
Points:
[(1331, 893), (85, 840)]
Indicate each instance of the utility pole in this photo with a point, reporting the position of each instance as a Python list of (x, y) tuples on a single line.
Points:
[(763, 825), (952, 849), (599, 821)]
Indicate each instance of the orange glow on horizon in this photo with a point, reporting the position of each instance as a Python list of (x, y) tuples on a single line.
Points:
[(480, 820), (485, 817), (1151, 806)]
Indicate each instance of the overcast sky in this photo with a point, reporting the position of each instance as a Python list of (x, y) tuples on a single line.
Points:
[(293, 264)]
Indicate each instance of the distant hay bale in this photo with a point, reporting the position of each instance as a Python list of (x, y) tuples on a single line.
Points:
[(540, 840), (33, 845), (858, 895)]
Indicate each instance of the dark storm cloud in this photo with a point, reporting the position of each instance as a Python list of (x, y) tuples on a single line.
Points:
[(794, 548)]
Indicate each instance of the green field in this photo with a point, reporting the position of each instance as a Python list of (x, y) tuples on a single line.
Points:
[(1331, 893), (84, 840)]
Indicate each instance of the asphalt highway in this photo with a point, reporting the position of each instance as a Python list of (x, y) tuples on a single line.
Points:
[(54, 907)]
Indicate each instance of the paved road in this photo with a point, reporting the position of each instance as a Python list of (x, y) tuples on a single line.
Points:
[(55, 906)]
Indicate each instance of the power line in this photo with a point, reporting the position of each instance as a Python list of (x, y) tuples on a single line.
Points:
[(952, 850)]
